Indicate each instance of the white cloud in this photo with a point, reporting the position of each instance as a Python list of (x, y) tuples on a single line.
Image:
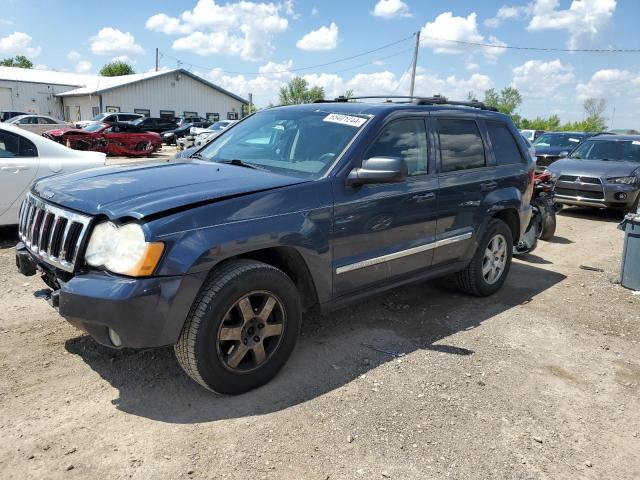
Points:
[(241, 28), (459, 29), (314, 11), (471, 67), (539, 79), (583, 19), (73, 56), (611, 84), (162, 22), (123, 58), (391, 9), (18, 43), (41, 66), (277, 70), (324, 38), (452, 87), (111, 41), (83, 66)]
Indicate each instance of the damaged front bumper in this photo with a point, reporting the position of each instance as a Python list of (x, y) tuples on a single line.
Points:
[(143, 312)]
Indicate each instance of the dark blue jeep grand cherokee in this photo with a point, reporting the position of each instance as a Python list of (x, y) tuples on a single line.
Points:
[(294, 207)]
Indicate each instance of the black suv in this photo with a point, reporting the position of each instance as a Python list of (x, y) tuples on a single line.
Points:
[(291, 208), (155, 124)]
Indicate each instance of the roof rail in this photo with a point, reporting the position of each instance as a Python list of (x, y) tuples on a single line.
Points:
[(435, 100)]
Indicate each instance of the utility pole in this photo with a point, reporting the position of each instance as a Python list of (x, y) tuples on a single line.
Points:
[(414, 63), (157, 58)]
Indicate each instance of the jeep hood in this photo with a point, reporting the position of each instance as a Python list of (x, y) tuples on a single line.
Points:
[(594, 168), (145, 189)]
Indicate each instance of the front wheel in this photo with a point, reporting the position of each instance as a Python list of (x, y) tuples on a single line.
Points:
[(490, 265), (242, 328)]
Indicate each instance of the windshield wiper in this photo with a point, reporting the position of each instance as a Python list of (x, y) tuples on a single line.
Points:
[(239, 163)]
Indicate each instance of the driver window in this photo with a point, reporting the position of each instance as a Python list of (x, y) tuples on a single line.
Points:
[(403, 139), (16, 146)]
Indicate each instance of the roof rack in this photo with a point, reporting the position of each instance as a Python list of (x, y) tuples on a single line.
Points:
[(435, 100)]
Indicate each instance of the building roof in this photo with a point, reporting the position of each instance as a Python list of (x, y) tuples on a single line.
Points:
[(51, 77), (95, 84), (100, 84)]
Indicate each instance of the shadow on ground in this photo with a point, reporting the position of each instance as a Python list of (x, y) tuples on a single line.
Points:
[(8, 236), (596, 214), (332, 351)]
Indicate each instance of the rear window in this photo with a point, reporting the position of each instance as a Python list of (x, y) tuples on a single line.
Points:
[(504, 145), (461, 146)]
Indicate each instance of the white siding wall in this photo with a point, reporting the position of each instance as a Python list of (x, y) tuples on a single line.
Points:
[(33, 97), (169, 93)]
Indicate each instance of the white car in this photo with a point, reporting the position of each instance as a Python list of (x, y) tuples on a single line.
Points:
[(205, 135), (36, 123), (25, 157)]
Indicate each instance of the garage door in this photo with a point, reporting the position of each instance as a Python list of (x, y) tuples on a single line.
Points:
[(5, 99)]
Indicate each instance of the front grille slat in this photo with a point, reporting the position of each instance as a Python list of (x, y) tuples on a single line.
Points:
[(568, 192), (52, 234)]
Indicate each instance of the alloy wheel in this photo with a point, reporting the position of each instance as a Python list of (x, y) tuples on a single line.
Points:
[(251, 331), (495, 259)]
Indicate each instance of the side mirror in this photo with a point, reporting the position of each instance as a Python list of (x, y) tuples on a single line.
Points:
[(379, 170)]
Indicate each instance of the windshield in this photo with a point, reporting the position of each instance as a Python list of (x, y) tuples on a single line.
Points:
[(528, 134), (93, 127), (100, 116), (137, 121), (299, 142), (621, 150), (15, 119), (564, 140)]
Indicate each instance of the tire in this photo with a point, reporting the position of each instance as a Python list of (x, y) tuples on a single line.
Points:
[(471, 280), (217, 326)]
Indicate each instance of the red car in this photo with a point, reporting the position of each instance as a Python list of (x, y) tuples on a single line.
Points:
[(121, 139)]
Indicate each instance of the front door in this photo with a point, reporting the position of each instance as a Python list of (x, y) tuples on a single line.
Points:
[(466, 177), (18, 167), (384, 230)]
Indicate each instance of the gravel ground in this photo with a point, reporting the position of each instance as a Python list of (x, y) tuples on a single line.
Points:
[(541, 381)]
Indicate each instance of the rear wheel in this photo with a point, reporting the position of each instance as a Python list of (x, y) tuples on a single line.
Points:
[(490, 265), (242, 328)]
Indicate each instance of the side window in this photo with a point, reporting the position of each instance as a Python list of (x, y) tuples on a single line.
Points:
[(504, 145), (9, 145), (403, 139), (16, 146), (46, 121), (461, 146)]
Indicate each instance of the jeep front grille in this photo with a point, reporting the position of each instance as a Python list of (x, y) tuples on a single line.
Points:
[(52, 234)]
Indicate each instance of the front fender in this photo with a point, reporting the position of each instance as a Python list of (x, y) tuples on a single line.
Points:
[(298, 216)]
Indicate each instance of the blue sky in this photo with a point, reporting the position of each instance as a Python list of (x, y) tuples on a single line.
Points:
[(252, 46)]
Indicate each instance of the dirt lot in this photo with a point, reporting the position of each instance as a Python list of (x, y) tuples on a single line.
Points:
[(539, 381)]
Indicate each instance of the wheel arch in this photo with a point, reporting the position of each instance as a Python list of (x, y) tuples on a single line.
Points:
[(511, 217), (291, 262)]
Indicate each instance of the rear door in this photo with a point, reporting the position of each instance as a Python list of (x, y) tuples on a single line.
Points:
[(466, 176), (386, 230)]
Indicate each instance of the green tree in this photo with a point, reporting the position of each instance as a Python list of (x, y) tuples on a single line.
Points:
[(19, 61), (507, 101), (116, 69), (297, 91), (594, 111)]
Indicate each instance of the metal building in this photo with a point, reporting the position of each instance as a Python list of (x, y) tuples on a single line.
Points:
[(73, 97)]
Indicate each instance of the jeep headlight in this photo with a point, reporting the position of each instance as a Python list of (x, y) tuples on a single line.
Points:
[(123, 249), (624, 180)]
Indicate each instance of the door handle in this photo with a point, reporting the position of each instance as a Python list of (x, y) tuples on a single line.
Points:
[(488, 186), (424, 197), (13, 168)]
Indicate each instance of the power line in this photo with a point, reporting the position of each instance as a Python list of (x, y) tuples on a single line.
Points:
[(540, 49), (291, 70)]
